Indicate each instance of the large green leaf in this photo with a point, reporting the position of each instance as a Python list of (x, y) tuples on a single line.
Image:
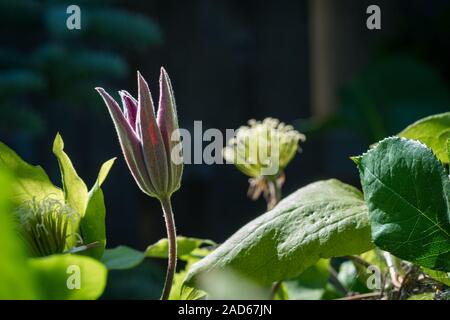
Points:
[(322, 220), (434, 131), (30, 181), (59, 275), (407, 191), (16, 281), (75, 190), (93, 223)]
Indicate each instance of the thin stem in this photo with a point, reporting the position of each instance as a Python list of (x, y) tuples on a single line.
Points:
[(172, 239), (274, 290), (395, 278), (337, 283), (274, 197), (358, 260), (274, 192), (362, 296)]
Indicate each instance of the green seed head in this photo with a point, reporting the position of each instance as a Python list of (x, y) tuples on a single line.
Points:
[(263, 148), (47, 226)]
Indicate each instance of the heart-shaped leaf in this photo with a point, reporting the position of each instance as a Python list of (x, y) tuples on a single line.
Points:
[(407, 191), (322, 220)]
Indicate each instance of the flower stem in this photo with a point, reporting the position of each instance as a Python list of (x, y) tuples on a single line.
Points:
[(172, 239), (274, 185)]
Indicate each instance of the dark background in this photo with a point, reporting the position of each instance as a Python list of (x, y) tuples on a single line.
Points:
[(313, 64)]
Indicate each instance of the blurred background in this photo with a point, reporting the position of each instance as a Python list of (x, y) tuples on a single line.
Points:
[(313, 64)]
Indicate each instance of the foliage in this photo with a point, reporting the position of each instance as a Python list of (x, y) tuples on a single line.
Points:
[(327, 240), (407, 190), (301, 229), (40, 278)]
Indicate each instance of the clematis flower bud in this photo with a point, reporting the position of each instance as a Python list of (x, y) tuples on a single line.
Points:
[(147, 140)]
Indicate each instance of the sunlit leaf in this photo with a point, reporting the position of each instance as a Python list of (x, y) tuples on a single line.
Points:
[(75, 190), (30, 181), (93, 223), (16, 280), (407, 190), (433, 131), (324, 219), (185, 246), (70, 276)]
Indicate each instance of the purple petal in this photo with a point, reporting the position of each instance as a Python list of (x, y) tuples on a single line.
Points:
[(153, 146), (129, 108), (129, 142), (168, 122)]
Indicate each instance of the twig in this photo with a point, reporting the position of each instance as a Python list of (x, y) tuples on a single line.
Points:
[(358, 260), (362, 296), (335, 280), (410, 275), (274, 290), (396, 281)]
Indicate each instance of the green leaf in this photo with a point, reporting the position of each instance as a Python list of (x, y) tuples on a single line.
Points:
[(30, 181), (185, 246), (448, 147), (434, 132), (122, 257), (75, 190), (322, 220), (282, 292), (60, 275), (422, 296), (177, 292), (440, 276), (311, 284), (16, 281), (407, 191), (93, 223)]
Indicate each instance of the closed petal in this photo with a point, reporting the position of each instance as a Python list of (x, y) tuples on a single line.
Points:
[(129, 143), (168, 124), (130, 106), (153, 146)]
